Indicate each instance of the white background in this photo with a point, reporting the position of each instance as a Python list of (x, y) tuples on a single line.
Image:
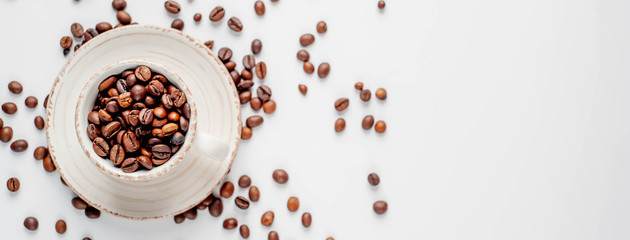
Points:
[(506, 119)]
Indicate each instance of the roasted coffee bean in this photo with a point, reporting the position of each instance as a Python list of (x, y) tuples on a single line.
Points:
[(303, 89), (30, 102), (244, 181), (247, 75), (340, 125), (244, 231), (124, 100), (111, 129), (178, 24), (216, 208), (162, 79), (100, 147), (245, 96), (133, 118), (40, 152), (112, 106), (39, 123), (380, 207), (6, 133), (261, 70), (179, 98), (365, 95), (93, 118), (129, 165), (254, 194), (259, 8), (173, 116), (19, 145), (60, 226), (208, 200), (104, 116), (255, 103), (65, 42), (235, 24), (254, 121), (197, 17), (246, 133), (381, 4), (155, 88), (264, 93), (225, 54), (48, 164), (131, 79), (130, 142), (159, 123), (367, 122), (127, 73), (227, 189), (183, 124), (307, 39), (77, 30), (161, 151), (166, 101), (380, 127), (280, 176), (117, 154), (217, 14), (191, 213), (13, 184), (153, 141), (107, 83), (306, 219), (119, 136), (321, 27), (1, 123), (293, 204), (269, 107), (358, 86), (46, 100), (169, 129), (121, 86), (267, 218), (146, 116), (15, 87), (92, 212), (230, 223), (249, 62), (273, 235), (31, 223), (241, 202), (78, 203), (123, 17), (9, 108), (342, 104), (373, 179), (179, 218), (230, 65), (138, 92), (380, 94), (209, 44), (303, 55), (177, 139), (244, 85), (143, 73), (92, 131), (103, 27), (256, 44), (149, 101), (323, 70), (172, 7), (236, 77), (89, 34), (308, 67)]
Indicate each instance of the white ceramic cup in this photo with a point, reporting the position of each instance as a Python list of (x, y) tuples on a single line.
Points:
[(196, 143)]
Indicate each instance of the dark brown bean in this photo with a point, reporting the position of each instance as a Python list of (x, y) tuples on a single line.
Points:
[(269, 107), (245, 96), (321, 27), (6, 133), (117, 154), (77, 30), (280, 176), (143, 73), (323, 70), (161, 151), (249, 62), (380, 127), (255, 103), (307, 39), (39, 123), (119, 4), (48, 164), (60, 226), (367, 122), (236, 78), (381, 4), (340, 125), (19, 145), (13, 184), (100, 146), (303, 89), (259, 8), (209, 44), (89, 34), (78, 203), (179, 218), (31, 223), (342, 104), (65, 42), (15, 87), (30, 102), (244, 85), (230, 223), (179, 98), (217, 14), (92, 212), (230, 65), (261, 70), (306, 219), (111, 129), (264, 93), (241, 202), (172, 7), (40, 152), (244, 181), (303, 55), (129, 165), (178, 24), (358, 86), (227, 189), (380, 207), (107, 83), (197, 17), (225, 54), (254, 194), (365, 95), (146, 116), (246, 133), (244, 231), (216, 208), (235, 24), (123, 17), (9, 108), (254, 121), (380, 94), (256, 45), (103, 27), (267, 218), (308, 67), (191, 213), (373, 179), (293, 204)]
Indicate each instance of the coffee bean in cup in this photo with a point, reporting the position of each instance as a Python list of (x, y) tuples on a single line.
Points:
[(143, 124)]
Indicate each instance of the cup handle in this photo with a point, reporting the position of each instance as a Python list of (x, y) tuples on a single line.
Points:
[(211, 146)]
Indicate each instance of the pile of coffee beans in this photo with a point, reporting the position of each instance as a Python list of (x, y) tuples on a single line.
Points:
[(368, 121), (139, 119)]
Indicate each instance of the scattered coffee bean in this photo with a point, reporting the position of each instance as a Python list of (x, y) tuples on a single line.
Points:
[(273, 235), (178, 24), (19, 145), (380, 207), (209, 44), (255, 103), (259, 8), (269, 107), (246, 133), (40, 152), (367, 122), (323, 70), (225, 54), (373, 179), (60, 226), (30, 102), (31, 223), (15, 87), (307, 39), (65, 42), (13, 184), (39, 122), (123, 17), (303, 89), (342, 104), (249, 62), (197, 17), (306, 219), (264, 93), (340, 125), (261, 70), (179, 218), (78, 203), (321, 27), (89, 34), (230, 65), (48, 164), (244, 231), (267, 218), (293, 204), (381, 4), (256, 45), (241, 202), (191, 213), (235, 77), (358, 86), (119, 4), (244, 181), (247, 75), (227, 189), (308, 67), (365, 95), (103, 27), (254, 121), (117, 154), (172, 7), (303, 55), (230, 223), (235, 24), (254, 194), (6, 133), (280, 176), (77, 30), (217, 14), (380, 94), (92, 212), (216, 208), (380, 127), (9, 108)]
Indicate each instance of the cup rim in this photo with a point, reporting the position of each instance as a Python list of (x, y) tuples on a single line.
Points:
[(175, 158)]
